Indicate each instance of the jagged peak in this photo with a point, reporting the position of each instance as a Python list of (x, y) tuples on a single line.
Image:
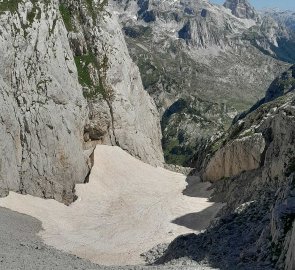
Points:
[(241, 9)]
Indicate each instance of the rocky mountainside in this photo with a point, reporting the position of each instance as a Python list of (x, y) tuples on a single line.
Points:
[(67, 83), (253, 171), (283, 84), (286, 17), (202, 63), (241, 9)]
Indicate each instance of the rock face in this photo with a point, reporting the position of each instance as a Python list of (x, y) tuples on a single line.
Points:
[(136, 126), (290, 260), (120, 111), (241, 9), (286, 17), (268, 185), (66, 85), (194, 58), (236, 157), (43, 111), (255, 229), (274, 38), (281, 85)]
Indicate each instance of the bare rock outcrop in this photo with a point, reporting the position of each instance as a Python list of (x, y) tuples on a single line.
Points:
[(237, 156), (255, 228), (290, 259), (121, 112), (261, 197), (135, 119), (43, 109), (241, 8), (67, 85)]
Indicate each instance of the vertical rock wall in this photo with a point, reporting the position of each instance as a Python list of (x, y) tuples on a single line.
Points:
[(43, 110), (49, 112)]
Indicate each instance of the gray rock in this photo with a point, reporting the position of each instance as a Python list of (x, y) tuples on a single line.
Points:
[(120, 111), (235, 157), (56, 51), (241, 8), (263, 198), (44, 111), (290, 259), (136, 125), (286, 17)]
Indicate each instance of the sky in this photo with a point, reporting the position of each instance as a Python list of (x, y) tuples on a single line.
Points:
[(259, 4)]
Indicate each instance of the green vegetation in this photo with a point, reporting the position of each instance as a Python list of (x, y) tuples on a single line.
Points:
[(95, 10), (9, 5), (251, 35), (89, 4), (236, 131), (12, 6), (34, 14), (102, 5), (84, 64), (66, 16), (216, 146), (140, 32), (287, 83), (175, 151), (176, 154), (150, 73), (179, 146)]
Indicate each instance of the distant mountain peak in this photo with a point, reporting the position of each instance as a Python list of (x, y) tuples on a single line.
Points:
[(241, 9)]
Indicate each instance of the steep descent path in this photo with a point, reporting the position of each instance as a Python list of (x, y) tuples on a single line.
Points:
[(126, 208)]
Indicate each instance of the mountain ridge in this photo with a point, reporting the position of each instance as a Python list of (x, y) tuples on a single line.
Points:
[(200, 53)]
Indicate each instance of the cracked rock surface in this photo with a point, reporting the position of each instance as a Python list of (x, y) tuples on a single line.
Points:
[(67, 85)]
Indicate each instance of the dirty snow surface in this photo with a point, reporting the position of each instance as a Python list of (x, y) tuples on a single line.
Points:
[(127, 208)]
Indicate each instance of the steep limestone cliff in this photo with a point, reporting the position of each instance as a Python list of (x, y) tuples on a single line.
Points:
[(43, 110), (112, 84), (66, 85)]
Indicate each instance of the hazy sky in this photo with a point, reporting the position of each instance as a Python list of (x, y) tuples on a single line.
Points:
[(282, 4)]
